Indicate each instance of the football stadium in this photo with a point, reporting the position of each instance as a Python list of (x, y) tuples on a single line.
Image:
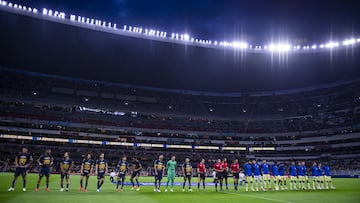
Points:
[(179, 101)]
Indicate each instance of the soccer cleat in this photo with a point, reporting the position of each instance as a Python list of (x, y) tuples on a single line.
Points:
[(47, 190), (183, 190), (190, 190), (132, 188), (246, 190), (155, 190), (158, 190), (62, 190), (24, 189), (138, 189), (98, 190), (80, 188), (67, 189), (171, 190), (11, 189), (332, 187), (166, 190), (117, 190), (36, 189), (85, 190)]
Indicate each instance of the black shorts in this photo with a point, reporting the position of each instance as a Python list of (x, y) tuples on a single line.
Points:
[(236, 175), (121, 176), (202, 176), (159, 175), (101, 175), (224, 174), (20, 171), (87, 174), (135, 174), (44, 171), (218, 175), (187, 177)]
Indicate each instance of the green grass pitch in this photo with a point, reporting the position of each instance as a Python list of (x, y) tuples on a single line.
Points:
[(347, 190)]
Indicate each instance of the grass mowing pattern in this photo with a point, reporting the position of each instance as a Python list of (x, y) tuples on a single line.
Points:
[(347, 190)]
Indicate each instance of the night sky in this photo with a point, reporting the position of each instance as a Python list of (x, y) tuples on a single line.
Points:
[(64, 50)]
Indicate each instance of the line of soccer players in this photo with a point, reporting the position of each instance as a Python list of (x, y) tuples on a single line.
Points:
[(255, 174)]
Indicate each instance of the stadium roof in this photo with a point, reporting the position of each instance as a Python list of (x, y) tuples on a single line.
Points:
[(60, 48)]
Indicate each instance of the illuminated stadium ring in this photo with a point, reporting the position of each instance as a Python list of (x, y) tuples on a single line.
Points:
[(182, 38)]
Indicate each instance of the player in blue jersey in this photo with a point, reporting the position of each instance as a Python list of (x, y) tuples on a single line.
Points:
[(327, 177), (266, 175), (315, 175), (306, 177), (301, 175), (275, 174), (45, 161), (282, 180), (22, 163), (321, 176), (122, 167), (101, 168), (137, 167), (248, 176), (257, 175), (159, 167), (65, 167), (293, 174), (85, 171)]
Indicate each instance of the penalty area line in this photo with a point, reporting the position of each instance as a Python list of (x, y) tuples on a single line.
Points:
[(258, 197)]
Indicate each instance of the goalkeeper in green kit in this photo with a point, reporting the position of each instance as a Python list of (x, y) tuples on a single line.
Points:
[(171, 170)]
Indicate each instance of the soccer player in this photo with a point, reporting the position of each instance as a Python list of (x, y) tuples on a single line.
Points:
[(45, 161), (113, 174), (219, 170), (249, 177), (235, 169), (257, 175), (159, 166), (306, 175), (265, 175), (327, 177), (321, 176), (282, 176), (224, 174), (65, 166), (301, 175), (135, 174), (293, 173), (171, 170), (187, 173), (315, 174), (85, 171), (22, 163), (123, 168), (276, 176), (101, 168), (201, 170)]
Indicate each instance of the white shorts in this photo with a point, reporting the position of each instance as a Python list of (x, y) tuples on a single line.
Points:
[(257, 178)]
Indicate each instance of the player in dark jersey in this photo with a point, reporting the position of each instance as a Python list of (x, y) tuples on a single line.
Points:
[(22, 163), (159, 166), (65, 167), (187, 173), (45, 161), (201, 170), (219, 170), (224, 174), (123, 168), (235, 169), (86, 170), (137, 167), (101, 168)]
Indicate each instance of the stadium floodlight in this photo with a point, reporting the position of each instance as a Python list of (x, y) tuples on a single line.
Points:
[(279, 47), (358, 39), (349, 42), (10, 4), (240, 45), (186, 37), (4, 3), (44, 12), (314, 46), (35, 10), (331, 45)]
